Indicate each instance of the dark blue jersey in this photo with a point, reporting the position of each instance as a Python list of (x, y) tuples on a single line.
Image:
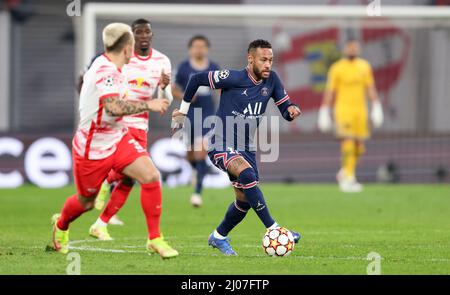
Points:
[(204, 96), (243, 101)]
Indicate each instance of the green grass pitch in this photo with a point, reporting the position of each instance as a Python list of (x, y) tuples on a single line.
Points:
[(408, 225)]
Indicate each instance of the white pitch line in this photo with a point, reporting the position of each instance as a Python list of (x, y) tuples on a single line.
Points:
[(94, 249), (106, 250)]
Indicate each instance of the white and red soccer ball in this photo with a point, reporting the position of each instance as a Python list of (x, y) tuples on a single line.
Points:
[(278, 242)]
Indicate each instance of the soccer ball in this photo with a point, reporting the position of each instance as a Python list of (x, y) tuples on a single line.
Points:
[(278, 242)]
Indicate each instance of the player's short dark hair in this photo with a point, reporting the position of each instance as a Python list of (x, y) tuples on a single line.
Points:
[(198, 37), (258, 43), (138, 22), (120, 43)]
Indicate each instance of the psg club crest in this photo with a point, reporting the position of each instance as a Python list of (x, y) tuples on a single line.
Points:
[(265, 91)]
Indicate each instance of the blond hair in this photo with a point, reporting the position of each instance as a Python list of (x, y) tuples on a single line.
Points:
[(115, 36)]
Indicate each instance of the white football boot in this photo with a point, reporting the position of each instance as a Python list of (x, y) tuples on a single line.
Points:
[(115, 220), (348, 184), (196, 200)]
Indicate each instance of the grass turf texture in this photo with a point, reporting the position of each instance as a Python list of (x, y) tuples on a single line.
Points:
[(408, 225)]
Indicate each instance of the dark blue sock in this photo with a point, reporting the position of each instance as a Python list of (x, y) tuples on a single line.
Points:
[(235, 214), (255, 197), (201, 168)]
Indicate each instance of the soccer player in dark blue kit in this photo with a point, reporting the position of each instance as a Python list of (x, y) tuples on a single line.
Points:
[(202, 106), (244, 98)]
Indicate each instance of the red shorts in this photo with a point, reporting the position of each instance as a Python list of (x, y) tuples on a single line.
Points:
[(140, 136), (90, 174)]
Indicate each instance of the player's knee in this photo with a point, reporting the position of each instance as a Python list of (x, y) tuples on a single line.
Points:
[(239, 193), (149, 177), (348, 146), (242, 205), (86, 202), (360, 149), (247, 176)]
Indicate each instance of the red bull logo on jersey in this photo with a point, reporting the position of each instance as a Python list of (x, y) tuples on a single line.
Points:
[(139, 83)]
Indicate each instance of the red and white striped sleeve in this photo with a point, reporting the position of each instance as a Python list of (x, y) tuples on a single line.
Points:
[(107, 81)]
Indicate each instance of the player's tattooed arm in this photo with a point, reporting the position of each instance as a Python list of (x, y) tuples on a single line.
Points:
[(117, 107)]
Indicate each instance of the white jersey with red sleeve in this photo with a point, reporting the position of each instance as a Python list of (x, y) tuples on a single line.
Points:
[(98, 133), (143, 75)]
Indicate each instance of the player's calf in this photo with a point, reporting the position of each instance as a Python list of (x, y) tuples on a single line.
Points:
[(88, 203), (247, 178)]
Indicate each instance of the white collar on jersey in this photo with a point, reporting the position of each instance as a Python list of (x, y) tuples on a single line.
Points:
[(150, 53)]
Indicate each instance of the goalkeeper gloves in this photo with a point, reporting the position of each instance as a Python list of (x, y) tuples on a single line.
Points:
[(377, 114), (324, 120)]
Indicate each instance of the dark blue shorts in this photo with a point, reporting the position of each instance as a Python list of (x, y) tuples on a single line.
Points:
[(221, 159)]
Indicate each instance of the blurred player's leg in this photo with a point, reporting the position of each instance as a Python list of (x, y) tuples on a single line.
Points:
[(348, 129), (118, 198), (102, 195), (348, 152), (106, 188), (351, 151), (198, 159), (360, 150), (144, 171)]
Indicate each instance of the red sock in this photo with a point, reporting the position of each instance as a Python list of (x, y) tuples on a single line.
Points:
[(118, 197), (151, 201), (113, 176), (71, 210)]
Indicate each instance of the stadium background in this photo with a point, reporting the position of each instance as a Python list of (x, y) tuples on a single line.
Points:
[(411, 63)]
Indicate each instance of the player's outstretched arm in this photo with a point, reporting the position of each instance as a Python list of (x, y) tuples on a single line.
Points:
[(117, 107), (195, 81), (213, 79), (288, 110)]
